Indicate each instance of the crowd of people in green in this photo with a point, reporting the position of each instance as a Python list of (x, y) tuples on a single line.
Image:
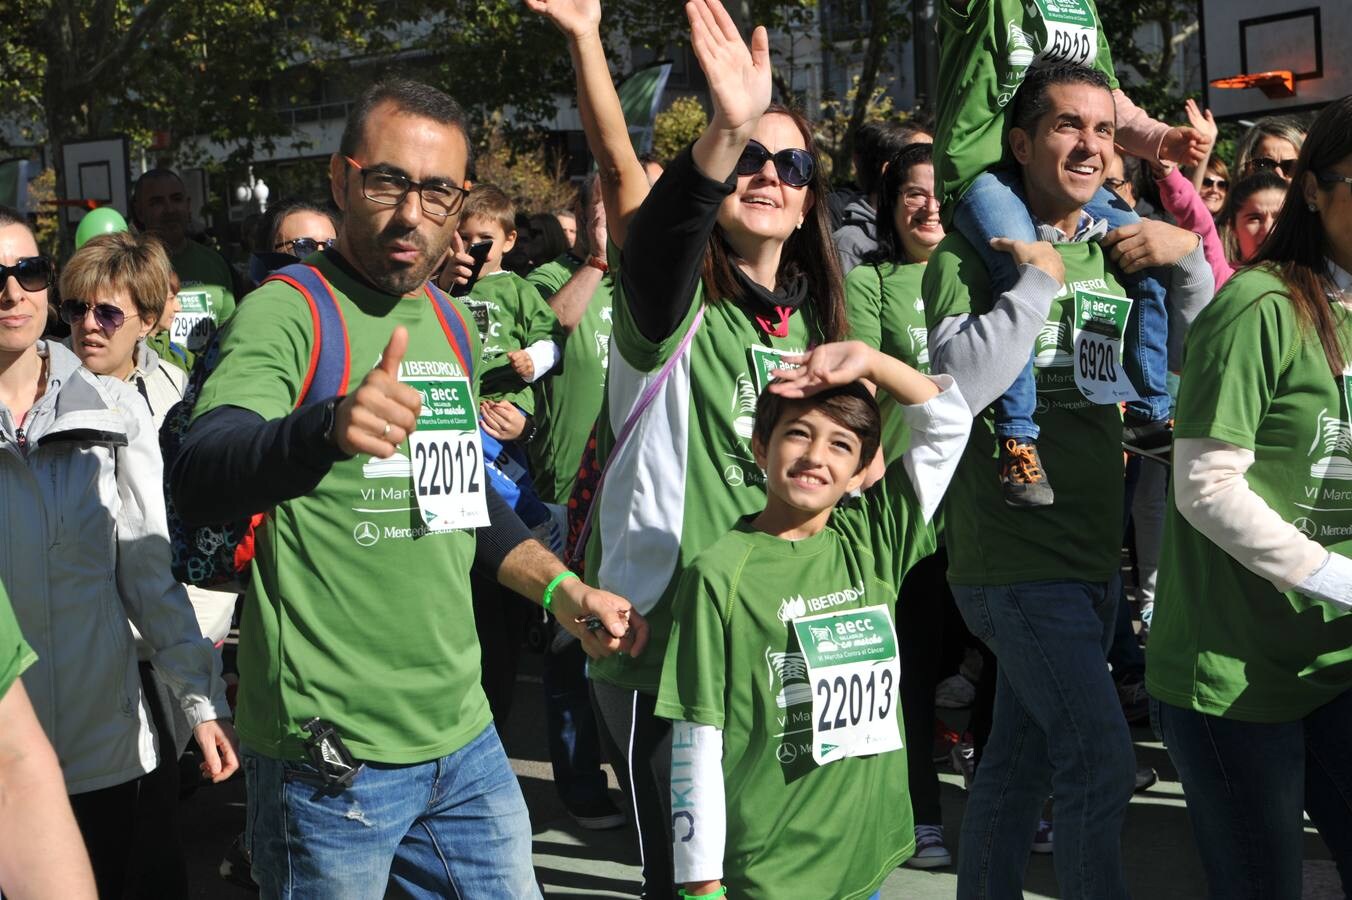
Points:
[(767, 471)]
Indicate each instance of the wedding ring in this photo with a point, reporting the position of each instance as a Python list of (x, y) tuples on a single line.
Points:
[(386, 432)]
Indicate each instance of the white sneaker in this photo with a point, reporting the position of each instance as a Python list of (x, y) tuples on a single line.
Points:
[(930, 852)]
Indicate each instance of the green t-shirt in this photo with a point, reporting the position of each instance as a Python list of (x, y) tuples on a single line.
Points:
[(172, 353), (567, 404), (886, 311), (1224, 641), (1078, 537), (15, 654), (984, 55), (354, 612), (687, 473), (734, 662), (205, 295), (510, 315)]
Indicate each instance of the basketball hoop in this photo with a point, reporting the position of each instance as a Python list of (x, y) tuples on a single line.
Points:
[(77, 204), (1274, 85)]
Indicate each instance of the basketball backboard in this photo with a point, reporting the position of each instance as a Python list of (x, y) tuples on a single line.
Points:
[(1309, 38), (95, 170)]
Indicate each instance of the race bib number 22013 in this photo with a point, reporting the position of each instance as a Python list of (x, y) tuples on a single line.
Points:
[(854, 673), (447, 456)]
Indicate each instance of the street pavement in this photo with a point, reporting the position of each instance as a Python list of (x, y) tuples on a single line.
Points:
[(1158, 852)]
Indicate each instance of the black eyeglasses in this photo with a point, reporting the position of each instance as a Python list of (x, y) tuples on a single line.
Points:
[(107, 316), (1330, 178), (1221, 183), (1267, 163), (439, 199), (302, 247), (34, 273), (794, 166)]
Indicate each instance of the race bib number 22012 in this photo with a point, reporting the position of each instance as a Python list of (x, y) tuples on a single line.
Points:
[(447, 456)]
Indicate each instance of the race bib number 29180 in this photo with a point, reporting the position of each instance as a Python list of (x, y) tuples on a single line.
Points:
[(852, 667), (447, 456)]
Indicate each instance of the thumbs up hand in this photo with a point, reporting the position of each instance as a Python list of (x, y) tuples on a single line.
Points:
[(377, 417)]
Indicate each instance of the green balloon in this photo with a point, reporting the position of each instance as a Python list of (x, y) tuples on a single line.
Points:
[(104, 220)]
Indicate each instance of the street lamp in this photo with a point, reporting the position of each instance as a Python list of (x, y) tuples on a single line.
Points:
[(253, 194)]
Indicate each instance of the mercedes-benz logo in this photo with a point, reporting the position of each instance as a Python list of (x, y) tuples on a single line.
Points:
[(1306, 527), (787, 752), (365, 534)]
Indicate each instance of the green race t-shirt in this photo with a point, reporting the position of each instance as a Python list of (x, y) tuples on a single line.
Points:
[(886, 311), (15, 654), (173, 353), (355, 613), (794, 828), (567, 403), (205, 295), (687, 473), (1079, 536), (1224, 641), (984, 55), (511, 315)]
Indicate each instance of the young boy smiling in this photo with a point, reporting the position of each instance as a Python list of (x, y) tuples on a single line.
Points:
[(788, 771)]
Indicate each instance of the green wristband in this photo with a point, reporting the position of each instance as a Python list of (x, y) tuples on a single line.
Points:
[(548, 600), (718, 893)]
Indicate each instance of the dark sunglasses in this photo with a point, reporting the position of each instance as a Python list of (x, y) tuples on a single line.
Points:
[(794, 166), (108, 317), (1261, 163), (1209, 182), (302, 247), (34, 273)]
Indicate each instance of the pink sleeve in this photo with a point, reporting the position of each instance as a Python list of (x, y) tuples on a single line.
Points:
[(1137, 133), (1182, 201)]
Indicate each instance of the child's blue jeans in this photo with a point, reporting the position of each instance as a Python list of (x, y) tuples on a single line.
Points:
[(994, 207)]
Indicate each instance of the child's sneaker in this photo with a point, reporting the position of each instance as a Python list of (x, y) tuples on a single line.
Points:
[(1042, 840), (1153, 440), (1022, 476), (930, 852)]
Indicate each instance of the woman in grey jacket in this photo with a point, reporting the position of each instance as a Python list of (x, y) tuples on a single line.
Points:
[(86, 548)]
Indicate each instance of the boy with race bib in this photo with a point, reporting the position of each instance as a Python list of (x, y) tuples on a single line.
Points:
[(987, 48), (781, 676)]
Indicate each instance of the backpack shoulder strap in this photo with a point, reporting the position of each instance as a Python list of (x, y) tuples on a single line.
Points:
[(331, 356), (453, 323)]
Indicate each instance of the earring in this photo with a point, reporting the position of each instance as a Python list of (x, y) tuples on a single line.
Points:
[(1313, 208)]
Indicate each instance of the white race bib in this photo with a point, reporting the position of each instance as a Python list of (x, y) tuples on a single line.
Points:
[(1072, 35), (765, 360), (194, 322), (1100, 323), (447, 456), (855, 677)]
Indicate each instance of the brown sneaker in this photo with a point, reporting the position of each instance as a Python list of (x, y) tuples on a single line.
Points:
[(1021, 475)]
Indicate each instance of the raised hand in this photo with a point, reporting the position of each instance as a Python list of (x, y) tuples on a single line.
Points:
[(377, 417), (738, 75), (1202, 122), (824, 366), (574, 18), (1184, 145)]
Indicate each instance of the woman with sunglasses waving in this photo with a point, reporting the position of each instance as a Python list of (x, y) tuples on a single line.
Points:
[(726, 265), (86, 548), (1250, 648)]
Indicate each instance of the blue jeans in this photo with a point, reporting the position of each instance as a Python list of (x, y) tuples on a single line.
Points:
[(1058, 730), (1246, 784), (574, 744), (453, 827), (994, 207)]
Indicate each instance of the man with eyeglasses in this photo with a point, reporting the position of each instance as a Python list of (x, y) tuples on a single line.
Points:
[(371, 759), (160, 205)]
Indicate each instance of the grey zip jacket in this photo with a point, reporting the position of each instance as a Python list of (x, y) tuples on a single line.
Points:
[(85, 548)]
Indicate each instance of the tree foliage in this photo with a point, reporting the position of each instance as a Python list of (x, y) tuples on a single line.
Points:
[(678, 126), (1147, 73)]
